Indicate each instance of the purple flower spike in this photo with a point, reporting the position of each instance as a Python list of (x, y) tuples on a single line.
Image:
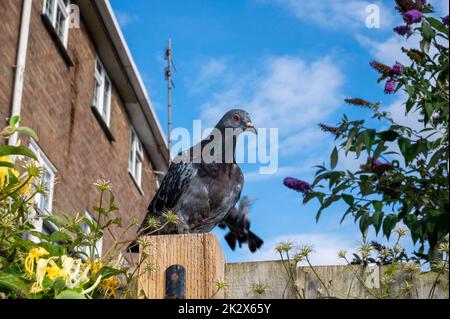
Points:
[(390, 86), (403, 30), (397, 69), (445, 20), (412, 16), (297, 185), (379, 167)]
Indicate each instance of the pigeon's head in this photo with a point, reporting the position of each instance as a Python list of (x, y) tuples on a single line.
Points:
[(237, 118)]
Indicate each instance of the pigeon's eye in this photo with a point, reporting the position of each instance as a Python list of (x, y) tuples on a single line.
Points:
[(236, 117)]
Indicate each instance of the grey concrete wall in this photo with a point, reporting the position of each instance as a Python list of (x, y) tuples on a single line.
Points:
[(242, 278)]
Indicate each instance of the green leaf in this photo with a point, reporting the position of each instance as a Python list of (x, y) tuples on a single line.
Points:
[(6, 164), (70, 294), (389, 224), (434, 159), (348, 199), (107, 272), (388, 136), (14, 120), (11, 282), (427, 32), (377, 219), (16, 150), (364, 223), (59, 236), (334, 158), (438, 25), (406, 149), (28, 131), (380, 148)]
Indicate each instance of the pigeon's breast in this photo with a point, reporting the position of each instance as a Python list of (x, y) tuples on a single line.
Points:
[(223, 184)]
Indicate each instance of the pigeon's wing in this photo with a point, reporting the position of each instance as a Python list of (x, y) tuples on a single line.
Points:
[(172, 187)]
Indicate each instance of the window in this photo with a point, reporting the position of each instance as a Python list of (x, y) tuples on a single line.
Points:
[(102, 92), (44, 202), (98, 245), (136, 158), (57, 12)]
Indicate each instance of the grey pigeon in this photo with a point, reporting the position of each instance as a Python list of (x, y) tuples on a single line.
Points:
[(238, 222), (202, 192)]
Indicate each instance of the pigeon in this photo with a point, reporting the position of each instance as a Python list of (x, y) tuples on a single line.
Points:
[(202, 190), (238, 223)]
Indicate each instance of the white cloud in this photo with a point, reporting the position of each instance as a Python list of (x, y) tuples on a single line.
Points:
[(326, 247), (211, 71), (285, 93), (125, 18), (335, 14), (441, 6), (389, 51), (397, 111)]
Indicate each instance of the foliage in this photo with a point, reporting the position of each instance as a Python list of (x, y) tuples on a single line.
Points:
[(405, 177), (66, 263)]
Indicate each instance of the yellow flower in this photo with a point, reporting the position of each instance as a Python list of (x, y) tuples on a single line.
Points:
[(96, 266), (110, 286), (26, 189), (33, 257), (4, 172), (53, 270), (41, 270)]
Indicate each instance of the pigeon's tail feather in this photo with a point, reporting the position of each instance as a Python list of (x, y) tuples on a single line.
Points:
[(254, 242), (231, 240)]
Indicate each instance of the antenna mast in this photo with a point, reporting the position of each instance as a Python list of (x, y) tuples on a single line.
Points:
[(168, 73), (170, 86)]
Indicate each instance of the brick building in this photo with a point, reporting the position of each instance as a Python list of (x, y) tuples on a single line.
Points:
[(75, 83)]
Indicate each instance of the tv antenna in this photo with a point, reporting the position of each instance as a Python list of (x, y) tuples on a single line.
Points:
[(170, 87)]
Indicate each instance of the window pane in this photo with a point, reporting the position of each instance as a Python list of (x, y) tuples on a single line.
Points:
[(106, 100), (99, 67), (47, 180), (49, 6), (60, 23), (97, 89)]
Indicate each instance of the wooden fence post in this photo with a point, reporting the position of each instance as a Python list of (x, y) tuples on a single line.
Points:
[(200, 257)]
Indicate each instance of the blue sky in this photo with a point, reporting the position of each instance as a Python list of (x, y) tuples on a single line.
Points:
[(289, 63)]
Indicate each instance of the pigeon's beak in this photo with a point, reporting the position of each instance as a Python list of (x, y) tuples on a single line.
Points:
[(251, 127)]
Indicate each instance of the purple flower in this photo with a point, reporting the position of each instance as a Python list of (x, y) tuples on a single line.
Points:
[(445, 20), (390, 86), (412, 16), (379, 167), (397, 69), (403, 30), (297, 185)]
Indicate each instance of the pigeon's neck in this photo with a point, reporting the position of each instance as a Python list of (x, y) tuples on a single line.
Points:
[(226, 146)]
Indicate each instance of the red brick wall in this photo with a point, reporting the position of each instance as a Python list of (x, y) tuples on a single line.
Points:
[(10, 12), (57, 105)]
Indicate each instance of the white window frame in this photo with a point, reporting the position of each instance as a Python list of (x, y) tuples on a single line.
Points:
[(98, 244), (56, 6), (45, 163), (101, 78), (136, 159)]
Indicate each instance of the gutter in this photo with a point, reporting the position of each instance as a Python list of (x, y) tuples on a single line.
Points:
[(20, 63), (135, 80)]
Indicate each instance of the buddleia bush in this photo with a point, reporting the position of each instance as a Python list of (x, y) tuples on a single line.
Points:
[(405, 175)]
